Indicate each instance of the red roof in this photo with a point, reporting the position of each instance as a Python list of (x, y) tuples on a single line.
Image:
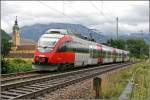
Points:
[(26, 47), (22, 55)]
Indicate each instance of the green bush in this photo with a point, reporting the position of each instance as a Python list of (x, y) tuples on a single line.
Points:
[(17, 65), (4, 66)]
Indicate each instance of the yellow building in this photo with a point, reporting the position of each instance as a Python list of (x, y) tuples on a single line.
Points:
[(20, 48), (15, 35)]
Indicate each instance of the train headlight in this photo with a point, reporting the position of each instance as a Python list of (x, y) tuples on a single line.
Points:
[(36, 59)]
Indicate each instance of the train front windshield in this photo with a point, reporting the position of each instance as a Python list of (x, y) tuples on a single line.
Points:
[(46, 44)]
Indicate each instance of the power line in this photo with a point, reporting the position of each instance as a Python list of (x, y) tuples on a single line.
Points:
[(100, 12), (122, 26), (57, 11), (114, 17)]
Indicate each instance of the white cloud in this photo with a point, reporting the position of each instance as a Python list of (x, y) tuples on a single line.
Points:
[(133, 15)]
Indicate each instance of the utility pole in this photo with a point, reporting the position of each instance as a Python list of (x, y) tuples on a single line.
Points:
[(142, 38), (117, 27)]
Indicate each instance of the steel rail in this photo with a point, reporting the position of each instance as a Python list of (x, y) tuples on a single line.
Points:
[(45, 78), (55, 81), (7, 78), (16, 74), (20, 78)]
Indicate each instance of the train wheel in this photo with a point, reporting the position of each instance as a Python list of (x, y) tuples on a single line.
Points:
[(71, 66), (61, 67), (82, 64)]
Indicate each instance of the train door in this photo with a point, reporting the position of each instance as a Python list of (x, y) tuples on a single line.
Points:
[(99, 54), (114, 55), (92, 60), (91, 54), (82, 54)]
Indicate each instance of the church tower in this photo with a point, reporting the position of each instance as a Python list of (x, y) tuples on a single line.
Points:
[(16, 35)]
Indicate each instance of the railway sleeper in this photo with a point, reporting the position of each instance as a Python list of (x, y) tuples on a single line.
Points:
[(38, 86), (25, 89), (6, 97), (33, 94), (10, 93), (42, 85), (18, 91), (30, 87)]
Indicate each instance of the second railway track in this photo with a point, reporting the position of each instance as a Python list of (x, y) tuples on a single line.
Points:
[(21, 76), (9, 78), (39, 85)]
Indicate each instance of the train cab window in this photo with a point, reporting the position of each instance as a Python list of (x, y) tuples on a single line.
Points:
[(63, 47), (46, 44)]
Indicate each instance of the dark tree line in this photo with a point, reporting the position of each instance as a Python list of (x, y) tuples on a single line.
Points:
[(137, 47), (5, 48)]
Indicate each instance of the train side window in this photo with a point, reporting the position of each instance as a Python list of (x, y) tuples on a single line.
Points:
[(103, 53), (108, 53), (62, 48)]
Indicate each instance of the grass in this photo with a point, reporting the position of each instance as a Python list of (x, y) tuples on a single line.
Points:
[(18, 65), (114, 83), (140, 83)]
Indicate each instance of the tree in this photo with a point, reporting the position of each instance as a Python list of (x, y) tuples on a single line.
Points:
[(120, 44), (5, 48), (137, 48), (5, 45)]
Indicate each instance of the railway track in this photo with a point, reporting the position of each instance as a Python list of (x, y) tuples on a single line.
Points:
[(36, 86), (21, 76), (9, 78), (16, 74)]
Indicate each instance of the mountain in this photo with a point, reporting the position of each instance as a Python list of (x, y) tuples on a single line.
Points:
[(4, 35), (35, 31), (143, 36)]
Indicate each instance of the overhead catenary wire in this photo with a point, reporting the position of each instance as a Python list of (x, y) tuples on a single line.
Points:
[(114, 17), (62, 13), (102, 13)]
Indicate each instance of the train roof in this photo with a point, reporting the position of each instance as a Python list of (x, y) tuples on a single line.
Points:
[(52, 36), (108, 48), (59, 31), (66, 31)]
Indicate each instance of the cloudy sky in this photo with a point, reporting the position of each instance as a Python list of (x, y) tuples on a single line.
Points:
[(101, 15)]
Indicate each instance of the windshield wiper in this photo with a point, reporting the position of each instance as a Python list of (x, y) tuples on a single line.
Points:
[(45, 47)]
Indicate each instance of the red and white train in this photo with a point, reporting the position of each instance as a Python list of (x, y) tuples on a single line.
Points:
[(59, 48)]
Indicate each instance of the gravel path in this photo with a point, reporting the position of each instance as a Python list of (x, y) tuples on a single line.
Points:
[(75, 91)]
